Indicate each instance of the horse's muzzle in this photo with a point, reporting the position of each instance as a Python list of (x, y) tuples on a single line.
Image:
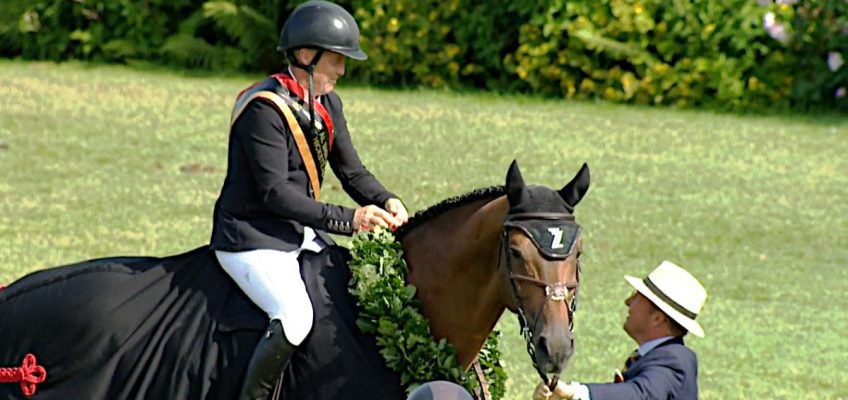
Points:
[(552, 355)]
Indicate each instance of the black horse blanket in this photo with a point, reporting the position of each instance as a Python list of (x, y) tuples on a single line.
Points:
[(179, 328)]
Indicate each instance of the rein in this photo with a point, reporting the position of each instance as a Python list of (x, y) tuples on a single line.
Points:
[(554, 292)]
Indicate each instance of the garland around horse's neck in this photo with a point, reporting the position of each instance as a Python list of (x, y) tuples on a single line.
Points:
[(390, 311)]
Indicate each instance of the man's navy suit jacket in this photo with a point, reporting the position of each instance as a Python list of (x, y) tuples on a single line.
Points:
[(669, 371)]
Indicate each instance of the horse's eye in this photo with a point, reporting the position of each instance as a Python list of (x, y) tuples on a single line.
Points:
[(515, 252)]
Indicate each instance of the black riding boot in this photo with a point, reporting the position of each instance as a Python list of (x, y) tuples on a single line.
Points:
[(270, 358)]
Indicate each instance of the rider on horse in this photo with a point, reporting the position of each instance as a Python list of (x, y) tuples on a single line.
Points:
[(269, 211)]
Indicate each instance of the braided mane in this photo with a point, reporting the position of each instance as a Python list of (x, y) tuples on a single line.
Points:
[(450, 203)]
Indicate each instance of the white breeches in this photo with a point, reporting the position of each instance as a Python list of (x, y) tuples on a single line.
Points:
[(271, 279)]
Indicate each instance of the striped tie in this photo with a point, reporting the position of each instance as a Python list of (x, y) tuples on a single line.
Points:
[(632, 359), (618, 378)]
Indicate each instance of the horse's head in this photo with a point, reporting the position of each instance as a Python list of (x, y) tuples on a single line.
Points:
[(541, 249)]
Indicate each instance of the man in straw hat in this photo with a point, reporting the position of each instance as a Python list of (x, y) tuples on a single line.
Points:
[(662, 310)]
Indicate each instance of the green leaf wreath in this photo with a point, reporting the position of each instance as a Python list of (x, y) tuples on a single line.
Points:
[(390, 311)]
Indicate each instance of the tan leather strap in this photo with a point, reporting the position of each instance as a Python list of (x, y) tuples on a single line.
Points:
[(294, 127), (484, 386)]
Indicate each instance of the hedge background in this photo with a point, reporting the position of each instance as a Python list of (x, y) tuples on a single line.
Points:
[(737, 54)]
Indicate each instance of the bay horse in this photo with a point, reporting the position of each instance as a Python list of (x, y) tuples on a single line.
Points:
[(178, 328)]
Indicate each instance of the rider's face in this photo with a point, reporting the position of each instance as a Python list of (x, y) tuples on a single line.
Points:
[(330, 68)]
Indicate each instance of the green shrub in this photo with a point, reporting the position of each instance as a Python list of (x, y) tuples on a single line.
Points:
[(106, 30), (452, 43), (820, 33), (226, 35), (410, 42), (679, 52), (735, 53), (655, 52)]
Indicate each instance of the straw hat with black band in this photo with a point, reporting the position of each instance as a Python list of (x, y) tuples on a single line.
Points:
[(676, 292)]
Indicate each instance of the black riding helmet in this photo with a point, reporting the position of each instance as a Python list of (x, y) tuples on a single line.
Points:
[(322, 25)]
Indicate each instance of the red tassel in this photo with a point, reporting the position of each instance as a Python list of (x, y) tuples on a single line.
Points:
[(29, 374)]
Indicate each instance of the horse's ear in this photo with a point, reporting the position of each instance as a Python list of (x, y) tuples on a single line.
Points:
[(514, 184), (573, 192)]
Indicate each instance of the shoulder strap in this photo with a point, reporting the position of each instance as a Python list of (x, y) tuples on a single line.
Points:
[(294, 127)]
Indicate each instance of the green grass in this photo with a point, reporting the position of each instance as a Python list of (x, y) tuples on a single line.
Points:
[(100, 161)]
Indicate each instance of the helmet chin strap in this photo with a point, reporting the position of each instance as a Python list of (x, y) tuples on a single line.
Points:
[(310, 70)]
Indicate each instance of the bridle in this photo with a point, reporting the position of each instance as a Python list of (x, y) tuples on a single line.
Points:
[(554, 292)]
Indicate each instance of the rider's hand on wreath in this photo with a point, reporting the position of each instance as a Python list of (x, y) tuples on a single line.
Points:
[(368, 217), (395, 207), (562, 391)]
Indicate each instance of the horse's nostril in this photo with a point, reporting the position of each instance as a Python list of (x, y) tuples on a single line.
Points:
[(542, 347), (543, 343)]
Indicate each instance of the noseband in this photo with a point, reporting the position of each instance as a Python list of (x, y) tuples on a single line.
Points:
[(554, 292)]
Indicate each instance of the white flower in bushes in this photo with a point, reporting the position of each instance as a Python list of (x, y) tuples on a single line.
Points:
[(840, 93), (834, 60), (776, 30), (769, 20)]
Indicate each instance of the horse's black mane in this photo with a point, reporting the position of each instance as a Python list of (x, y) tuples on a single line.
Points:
[(421, 217)]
